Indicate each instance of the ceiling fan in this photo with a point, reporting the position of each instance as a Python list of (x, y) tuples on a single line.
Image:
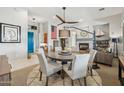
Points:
[(63, 21)]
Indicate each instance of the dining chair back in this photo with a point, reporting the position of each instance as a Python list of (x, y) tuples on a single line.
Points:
[(91, 60), (92, 56), (79, 66), (46, 67), (43, 61)]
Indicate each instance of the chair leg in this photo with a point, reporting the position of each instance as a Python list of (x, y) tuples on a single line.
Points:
[(62, 74), (10, 76), (63, 78), (47, 81), (91, 71), (72, 82), (85, 82), (40, 76), (79, 82)]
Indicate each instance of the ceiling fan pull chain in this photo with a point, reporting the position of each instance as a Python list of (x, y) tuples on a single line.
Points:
[(64, 15), (64, 12)]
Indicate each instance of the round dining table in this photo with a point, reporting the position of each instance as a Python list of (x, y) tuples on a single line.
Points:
[(60, 57), (55, 56)]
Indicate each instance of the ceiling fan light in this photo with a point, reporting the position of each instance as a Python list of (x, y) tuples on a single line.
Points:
[(63, 19)]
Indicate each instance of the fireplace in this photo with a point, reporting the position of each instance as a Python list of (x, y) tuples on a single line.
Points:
[(84, 46)]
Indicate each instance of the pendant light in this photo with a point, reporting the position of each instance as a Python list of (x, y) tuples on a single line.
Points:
[(64, 33)]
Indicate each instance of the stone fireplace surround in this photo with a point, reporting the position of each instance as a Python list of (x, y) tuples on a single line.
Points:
[(88, 42)]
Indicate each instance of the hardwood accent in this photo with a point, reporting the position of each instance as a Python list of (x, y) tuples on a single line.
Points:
[(45, 37), (121, 69)]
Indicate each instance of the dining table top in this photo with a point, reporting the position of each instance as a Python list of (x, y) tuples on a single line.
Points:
[(60, 57)]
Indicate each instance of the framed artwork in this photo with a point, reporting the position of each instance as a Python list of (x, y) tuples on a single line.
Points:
[(53, 32), (10, 33), (102, 31)]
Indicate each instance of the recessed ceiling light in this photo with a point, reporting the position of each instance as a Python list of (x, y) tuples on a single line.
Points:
[(54, 17)]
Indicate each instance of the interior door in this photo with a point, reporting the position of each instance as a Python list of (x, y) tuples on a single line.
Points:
[(30, 42)]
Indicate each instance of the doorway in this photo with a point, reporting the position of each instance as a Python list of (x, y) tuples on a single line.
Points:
[(30, 42)]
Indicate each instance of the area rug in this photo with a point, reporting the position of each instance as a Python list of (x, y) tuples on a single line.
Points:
[(56, 80)]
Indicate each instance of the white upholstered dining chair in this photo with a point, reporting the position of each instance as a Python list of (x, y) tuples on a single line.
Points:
[(46, 67), (91, 60), (79, 68)]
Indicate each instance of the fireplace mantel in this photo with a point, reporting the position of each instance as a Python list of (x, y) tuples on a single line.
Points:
[(84, 39)]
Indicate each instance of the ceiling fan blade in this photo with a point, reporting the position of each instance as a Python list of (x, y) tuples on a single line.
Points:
[(72, 22), (60, 24), (60, 18)]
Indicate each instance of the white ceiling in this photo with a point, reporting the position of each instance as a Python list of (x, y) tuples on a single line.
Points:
[(43, 14)]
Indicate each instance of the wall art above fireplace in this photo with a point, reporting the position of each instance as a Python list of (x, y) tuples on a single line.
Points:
[(10, 33)]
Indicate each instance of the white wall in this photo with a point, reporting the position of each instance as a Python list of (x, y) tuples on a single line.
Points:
[(15, 17), (41, 33)]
